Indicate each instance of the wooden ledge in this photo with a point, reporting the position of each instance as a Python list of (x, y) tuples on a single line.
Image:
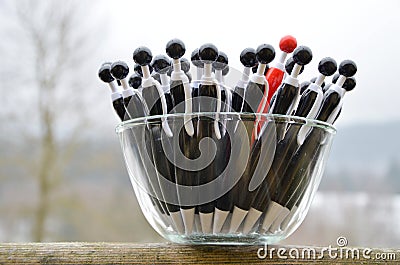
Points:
[(128, 253)]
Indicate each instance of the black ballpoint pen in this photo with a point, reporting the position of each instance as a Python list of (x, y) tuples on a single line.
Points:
[(223, 145), (181, 95), (135, 108), (154, 99), (308, 107), (161, 64), (116, 96), (207, 98), (254, 93), (328, 111), (265, 53), (248, 59), (288, 93)]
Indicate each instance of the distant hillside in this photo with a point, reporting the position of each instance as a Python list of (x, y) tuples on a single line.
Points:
[(365, 157), (365, 146)]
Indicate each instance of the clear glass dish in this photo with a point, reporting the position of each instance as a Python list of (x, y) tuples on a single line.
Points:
[(209, 178)]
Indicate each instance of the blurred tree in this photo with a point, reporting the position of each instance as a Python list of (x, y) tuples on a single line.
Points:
[(48, 41)]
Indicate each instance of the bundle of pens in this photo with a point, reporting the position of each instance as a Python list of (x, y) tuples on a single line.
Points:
[(215, 164)]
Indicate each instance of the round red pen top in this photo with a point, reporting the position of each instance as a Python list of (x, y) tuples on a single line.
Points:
[(275, 74), (288, 44)]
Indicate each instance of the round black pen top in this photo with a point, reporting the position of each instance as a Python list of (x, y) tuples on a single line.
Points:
[(265, 53), (105, 74), (142, 56), (138, 69), (119, 70), (175, 48), (327, 66), (349, 84), (208, 53), (302, 55), (290, 64), (185, 65), (347, 68), (195, 58), (221, 62), (135, 80), (248, 57), (161, 64)]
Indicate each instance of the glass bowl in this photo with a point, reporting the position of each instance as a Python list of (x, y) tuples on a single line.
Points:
[(225, 178)]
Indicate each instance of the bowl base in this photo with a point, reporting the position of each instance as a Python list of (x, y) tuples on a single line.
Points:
[(223, 239)]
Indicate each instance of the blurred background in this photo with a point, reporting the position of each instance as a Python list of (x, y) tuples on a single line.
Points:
[(62, 174)]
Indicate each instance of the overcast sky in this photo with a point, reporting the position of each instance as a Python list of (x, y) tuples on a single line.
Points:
[(367, 32)]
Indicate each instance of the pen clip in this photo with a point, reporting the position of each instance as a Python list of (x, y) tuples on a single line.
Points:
[(312, 114), (188, 104), (264, 103), (164, 121), (216, 125)]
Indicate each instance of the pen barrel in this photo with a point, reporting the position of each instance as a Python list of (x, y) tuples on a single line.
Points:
[(269, 189), (274, 77), (246, 198), (284, 99), (205, 128), (188, 146), (298, 165), (253, 96), (177, 91), (152, 99), (134, 107), (330, 102), (169, 101), (224, 105), (205, 98), (119, 107), (164, 167), (237, 98)]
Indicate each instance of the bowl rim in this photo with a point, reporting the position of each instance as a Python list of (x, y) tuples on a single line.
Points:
[(290, 118)]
